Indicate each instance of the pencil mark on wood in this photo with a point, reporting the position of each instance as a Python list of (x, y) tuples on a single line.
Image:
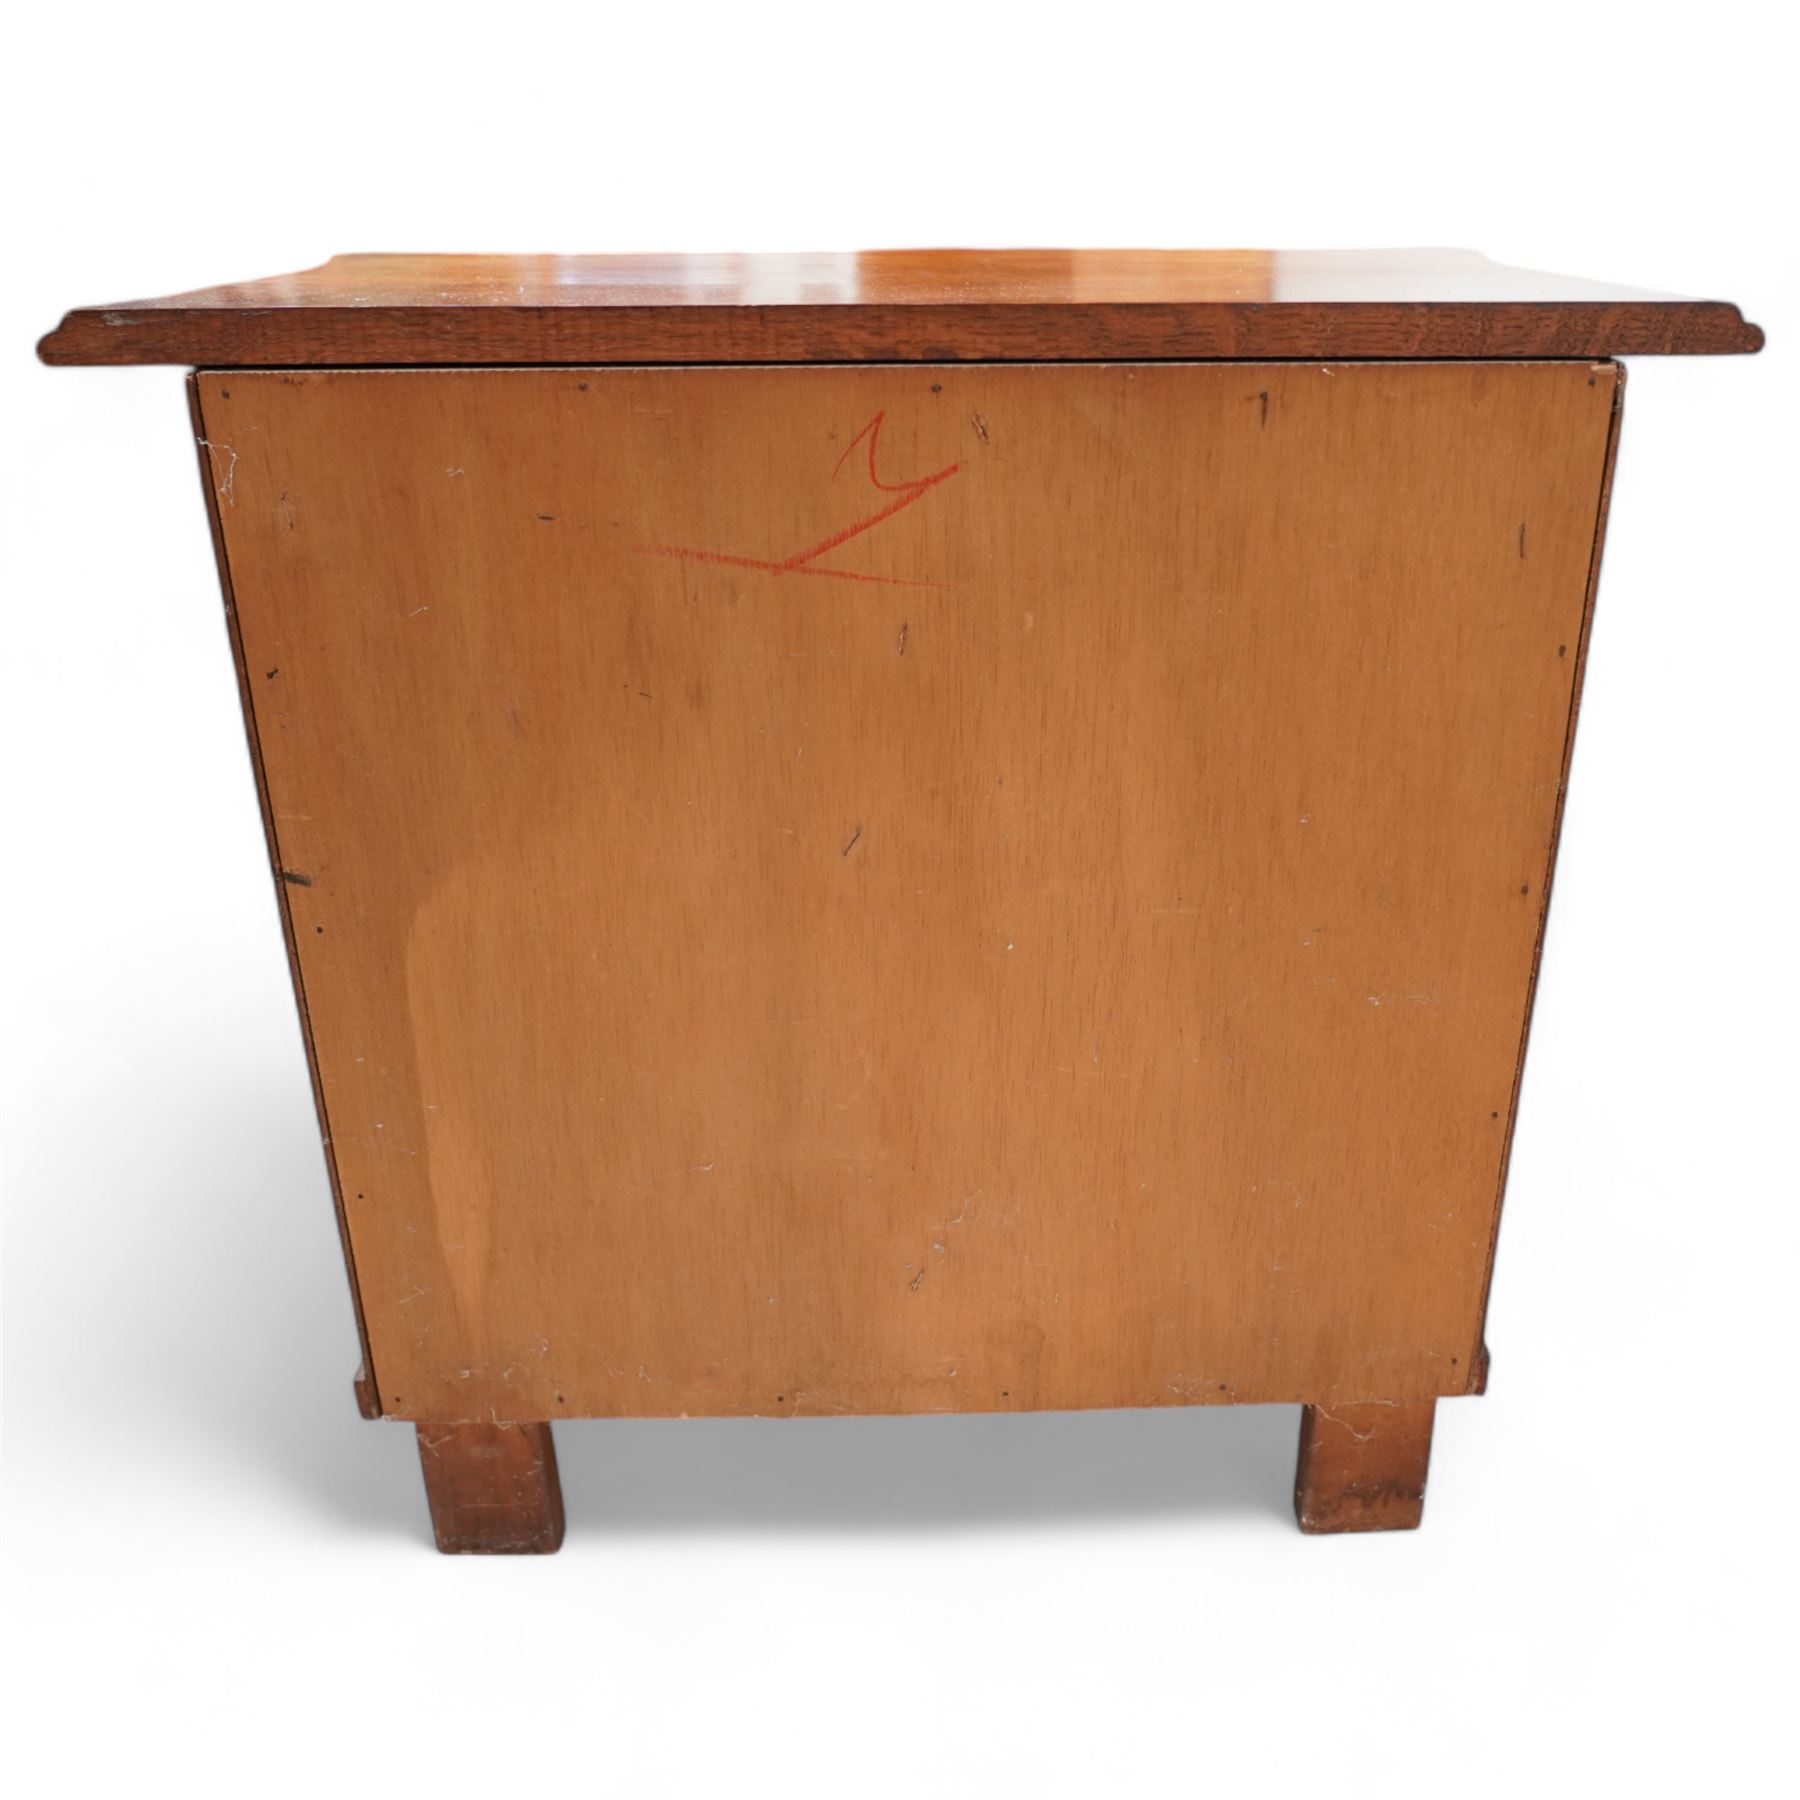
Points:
[(854, 836), (804, 562), (294, 879)]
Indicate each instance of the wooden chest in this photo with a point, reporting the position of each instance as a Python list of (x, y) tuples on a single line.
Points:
[(911, 833)]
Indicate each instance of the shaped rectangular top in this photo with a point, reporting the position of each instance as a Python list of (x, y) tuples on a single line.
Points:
[(899, 306)]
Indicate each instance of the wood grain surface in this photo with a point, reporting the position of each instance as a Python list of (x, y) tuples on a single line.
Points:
[(493, 1489), (886, 306), (913, 889), (1363, 1468), (368, 1401)]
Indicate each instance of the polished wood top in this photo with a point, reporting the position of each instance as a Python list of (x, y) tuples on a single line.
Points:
[(899, 305)]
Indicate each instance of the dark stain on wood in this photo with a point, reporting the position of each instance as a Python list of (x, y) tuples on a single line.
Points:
[(493, 1488)]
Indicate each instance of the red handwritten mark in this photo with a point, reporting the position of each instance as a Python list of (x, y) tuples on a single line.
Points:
[(803, 562)]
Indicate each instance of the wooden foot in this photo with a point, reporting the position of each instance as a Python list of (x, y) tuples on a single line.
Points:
[(1362, 1468), (493, 1489)]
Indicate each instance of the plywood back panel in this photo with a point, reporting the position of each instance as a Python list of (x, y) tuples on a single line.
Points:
[(913, 889)]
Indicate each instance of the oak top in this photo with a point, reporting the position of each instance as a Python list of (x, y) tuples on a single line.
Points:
[(899, 305)]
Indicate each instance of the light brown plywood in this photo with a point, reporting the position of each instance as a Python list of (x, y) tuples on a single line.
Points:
[(913, 889)]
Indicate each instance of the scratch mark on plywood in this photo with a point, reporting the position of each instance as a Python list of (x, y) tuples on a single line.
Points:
[(228, 486)]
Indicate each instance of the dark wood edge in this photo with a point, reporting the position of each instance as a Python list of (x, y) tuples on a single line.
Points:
[(368, 1402), (1377, 1482), (367, 1392), (351, 337), (493, 1488), (1478, 1359)]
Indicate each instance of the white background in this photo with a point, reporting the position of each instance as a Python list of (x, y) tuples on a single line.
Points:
[(217, 1574)]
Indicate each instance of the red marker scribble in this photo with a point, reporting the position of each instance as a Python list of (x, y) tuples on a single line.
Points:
[(804, 562)]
